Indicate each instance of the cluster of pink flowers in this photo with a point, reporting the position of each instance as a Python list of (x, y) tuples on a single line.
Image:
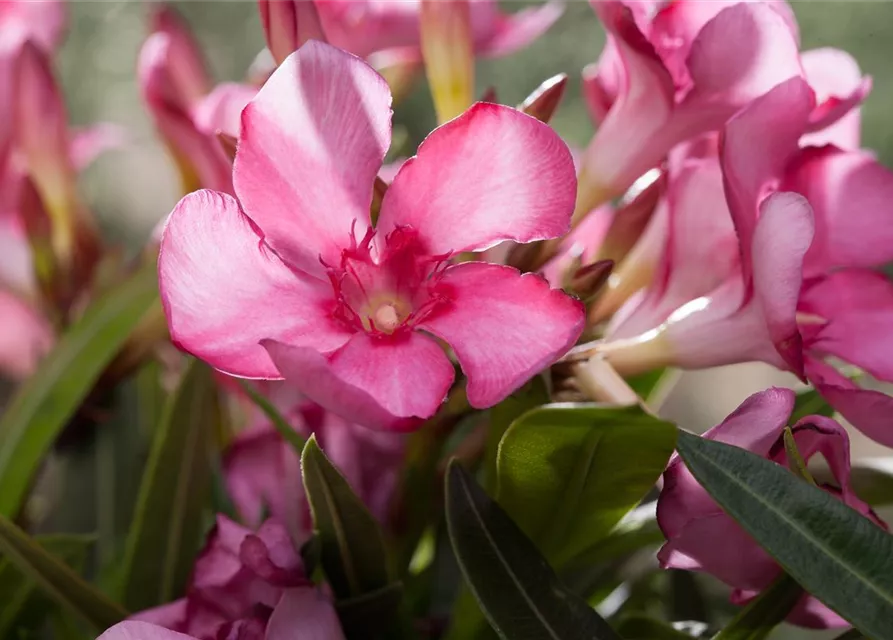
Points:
[(725, 189)]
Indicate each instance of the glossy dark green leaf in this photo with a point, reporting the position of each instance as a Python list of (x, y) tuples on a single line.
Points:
[(568, 474), (530, 396), (292, 437), (765, 612), (167, 531), (514, 585), (352, 548), (834, 552), (44, 404), (22, 603), (57, 579), (810, 403)]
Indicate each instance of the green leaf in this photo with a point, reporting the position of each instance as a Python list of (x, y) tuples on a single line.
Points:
[(568, 474), (167, 531), (18, 594), (638, 627), (514, 585), (57, 579), (649, 383), (292, 437), (831, 550), (765, 612), (44, 404), (530, 396), (810, 403), (352, 547)]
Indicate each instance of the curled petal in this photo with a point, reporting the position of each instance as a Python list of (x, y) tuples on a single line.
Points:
[(311, 144), (490, 175), (224, 291), (390, 383), (840, 88), (504, 327)]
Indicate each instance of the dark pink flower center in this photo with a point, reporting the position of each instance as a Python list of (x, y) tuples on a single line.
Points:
[(389, 292)]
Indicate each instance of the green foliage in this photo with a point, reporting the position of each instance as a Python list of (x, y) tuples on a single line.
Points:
[(514, 585), (167, 530), (835, 553), (46, 402), (57, 579), (568, 474), (762, 614)]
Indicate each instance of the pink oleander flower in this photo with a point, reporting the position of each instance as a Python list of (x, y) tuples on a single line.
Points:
[(245, 584), (263, 474), (701, 537), (292, 280), (675, 71), (371, 26), (187, 110)]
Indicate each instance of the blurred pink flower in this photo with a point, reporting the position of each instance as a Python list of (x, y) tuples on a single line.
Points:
[(701, 537), (263, 475), (292, 281), (246, 584), (676, 70), (188, 112)]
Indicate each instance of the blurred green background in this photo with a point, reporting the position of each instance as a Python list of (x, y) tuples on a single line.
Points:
[(134, 188)]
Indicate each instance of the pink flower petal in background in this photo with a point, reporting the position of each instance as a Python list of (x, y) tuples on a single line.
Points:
[(24, 339), (41, 21), (701, 537), (224, 290), (304, 614), (221, 110), (512, 32), (503, 326), (137, 630), (444, 195), (288, 24), (312, 143), (839, 86)]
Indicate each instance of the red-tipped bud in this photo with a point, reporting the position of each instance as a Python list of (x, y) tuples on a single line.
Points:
[(586, 282), (542, 103), (448, 50), (288, 24)]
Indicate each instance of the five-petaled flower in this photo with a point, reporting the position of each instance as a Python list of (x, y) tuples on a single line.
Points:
[(293, 280)]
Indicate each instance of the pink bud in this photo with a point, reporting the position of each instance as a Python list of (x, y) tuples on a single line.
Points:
[(288, 24)]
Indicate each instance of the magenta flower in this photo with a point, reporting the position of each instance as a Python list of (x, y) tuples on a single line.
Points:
[(701, 537), (248, 585), (263, 474), (188, 112), (293, 281)]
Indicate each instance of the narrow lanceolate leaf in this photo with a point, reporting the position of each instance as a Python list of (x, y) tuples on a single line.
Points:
[(515, 586), (765, 612), (46, 402), (568, 474), (352, 546), (292, 437), (166, 532), (22, 600), (58, 580), (835, 553)]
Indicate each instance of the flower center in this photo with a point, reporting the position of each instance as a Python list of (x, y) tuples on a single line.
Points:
[(387, 287)]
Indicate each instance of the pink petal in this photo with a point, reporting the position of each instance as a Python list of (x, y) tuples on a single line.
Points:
[(304, 614), (780, 240), (850, 193), (224, 290), (809, 611), (89, 143), (513, 32), (17, 267), (311, 145), (835, 77), (25, 338), (868, 410), (135, 630), (504, 327), (350, 381), (582, 243), (857, 305), (366, 27), (630, 139), (757, 144), (602, 82), (288, 24), (43, 22), (172, 615), (185, 66), (490, 175), (221, 110)]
